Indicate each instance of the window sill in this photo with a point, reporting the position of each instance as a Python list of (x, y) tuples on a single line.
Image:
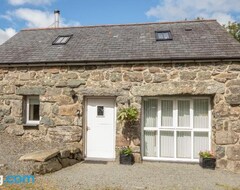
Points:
[(30, 125)]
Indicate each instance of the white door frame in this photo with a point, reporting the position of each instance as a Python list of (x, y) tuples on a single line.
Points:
[(85, 126)]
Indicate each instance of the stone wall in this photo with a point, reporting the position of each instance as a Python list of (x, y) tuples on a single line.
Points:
[(47, 161), (128, 83)]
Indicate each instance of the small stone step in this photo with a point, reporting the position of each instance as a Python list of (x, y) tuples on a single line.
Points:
[(40, 156), (2, 165)]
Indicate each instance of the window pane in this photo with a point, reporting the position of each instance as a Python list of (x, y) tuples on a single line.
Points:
[(33, 101), (59, 40), (150, 113), (163, 35), (167, 113), (183, 144), (200, 116), (34, 109), (160, 35), (64, 40), (166, 35), (150, 143), (201, 143), (100, 110), (167, 144), (184, 113)]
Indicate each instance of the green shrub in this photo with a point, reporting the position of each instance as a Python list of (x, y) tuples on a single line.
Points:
[(206, 154), (127, 114), (126, 150)]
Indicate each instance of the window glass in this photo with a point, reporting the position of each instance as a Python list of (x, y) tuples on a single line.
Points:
[(200, 116), (167, 113), (163, 35), (33, 109), (150, 144), (160, 35), (100, 110), (150, 113), (61, 40), (200, 143), (166, 144), (64, 40), (173, 136), (184, 144), (184, 113), (166, 35)]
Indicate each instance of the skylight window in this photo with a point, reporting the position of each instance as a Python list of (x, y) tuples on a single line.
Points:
[(163, 35), (61, 40)]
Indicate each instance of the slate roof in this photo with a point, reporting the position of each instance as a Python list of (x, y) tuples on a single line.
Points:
[(206, 40)]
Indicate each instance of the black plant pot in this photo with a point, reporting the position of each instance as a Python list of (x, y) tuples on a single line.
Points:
[(207, 162), (126, 159)]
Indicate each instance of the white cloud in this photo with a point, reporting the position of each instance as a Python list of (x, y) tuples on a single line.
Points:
[(223, 18), (33, 2), (6, 34), (7, 16), (222, 10), (35, 18)]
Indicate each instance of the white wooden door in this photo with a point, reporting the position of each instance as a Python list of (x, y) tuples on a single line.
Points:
[(100, 144)]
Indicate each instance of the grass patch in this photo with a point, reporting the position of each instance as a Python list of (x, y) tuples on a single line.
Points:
[(112, 188), (27, 187), (227, 187), (105, 188)]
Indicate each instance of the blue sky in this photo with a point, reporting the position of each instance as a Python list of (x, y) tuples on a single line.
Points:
[(18, 14)]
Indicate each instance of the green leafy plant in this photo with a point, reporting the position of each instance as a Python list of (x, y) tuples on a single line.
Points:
[(126, 150), (206, 154), (127, 114), (234, 29)]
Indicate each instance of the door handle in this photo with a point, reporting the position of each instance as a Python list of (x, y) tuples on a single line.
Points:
[(88, 128)]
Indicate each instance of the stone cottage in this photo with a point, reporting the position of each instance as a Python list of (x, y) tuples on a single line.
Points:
[(67, 84)]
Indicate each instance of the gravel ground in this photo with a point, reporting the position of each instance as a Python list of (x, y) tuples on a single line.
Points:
[(12, 148), (148, 175), (111, 175)]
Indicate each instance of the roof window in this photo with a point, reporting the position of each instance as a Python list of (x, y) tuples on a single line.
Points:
[(62, 40), (163, 35)]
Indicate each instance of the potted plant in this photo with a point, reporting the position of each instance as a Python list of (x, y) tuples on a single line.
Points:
[(128, 115), (207, 159), (126, 156)]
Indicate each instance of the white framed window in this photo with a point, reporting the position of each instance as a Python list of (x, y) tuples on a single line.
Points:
[(163, 35), (176, 128), (62, 40), (32, 110)]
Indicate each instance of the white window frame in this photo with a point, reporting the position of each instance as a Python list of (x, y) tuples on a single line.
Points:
[(175, 128), (29, 122)]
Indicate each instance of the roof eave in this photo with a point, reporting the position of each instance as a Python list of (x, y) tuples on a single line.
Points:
[(123, 61)]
